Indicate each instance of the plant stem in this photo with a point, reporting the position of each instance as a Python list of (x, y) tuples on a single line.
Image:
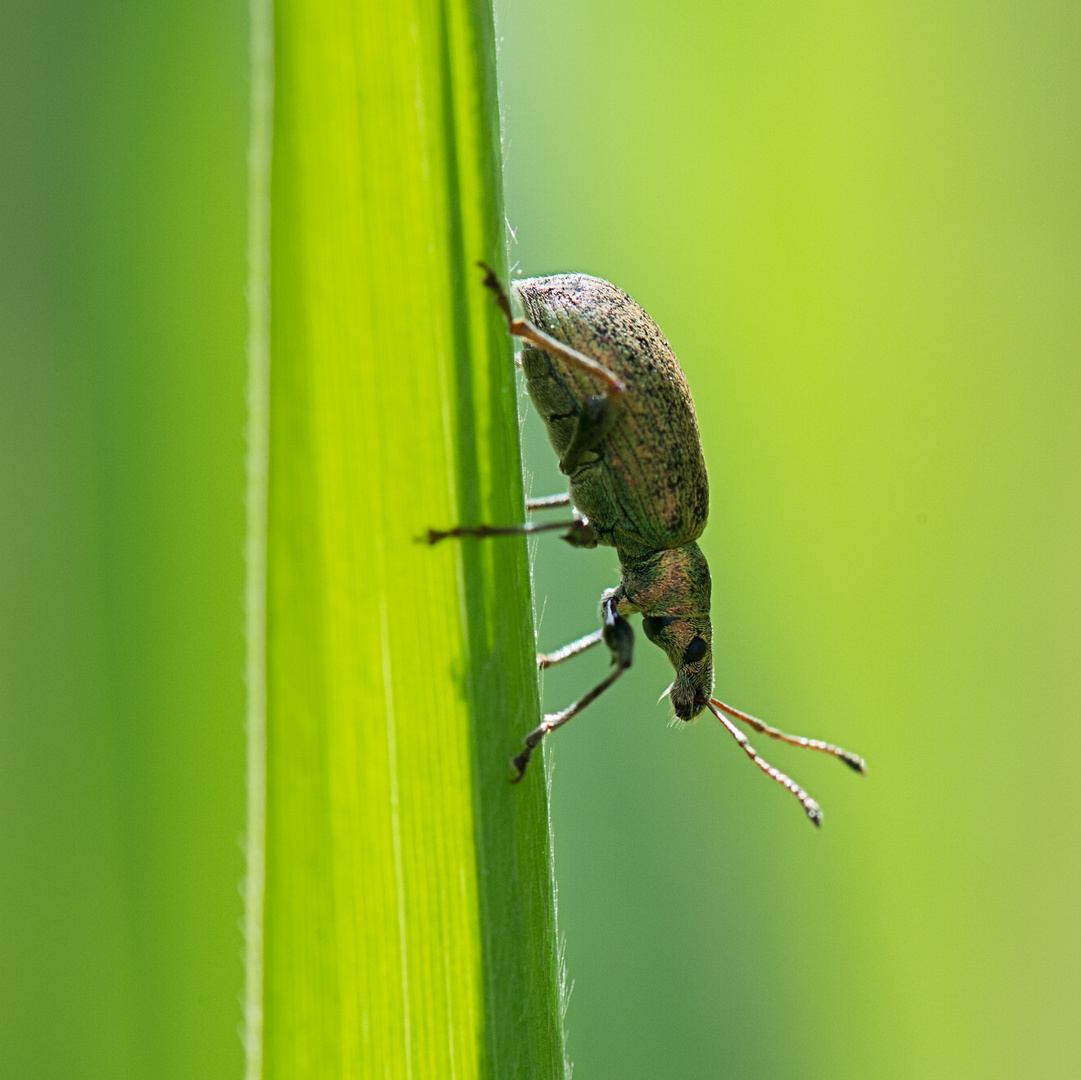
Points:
[(409, 915)]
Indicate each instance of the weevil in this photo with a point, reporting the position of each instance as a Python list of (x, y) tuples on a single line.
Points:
[(619, 415)]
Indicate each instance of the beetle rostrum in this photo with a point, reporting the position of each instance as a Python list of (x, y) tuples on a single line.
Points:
[(619, 415)]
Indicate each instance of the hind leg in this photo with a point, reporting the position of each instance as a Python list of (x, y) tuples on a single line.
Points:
[(601, 411)]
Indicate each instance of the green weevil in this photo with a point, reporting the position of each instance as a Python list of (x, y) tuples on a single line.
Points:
[(620, 417)]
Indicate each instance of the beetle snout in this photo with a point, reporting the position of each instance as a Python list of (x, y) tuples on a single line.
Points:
[(690, 692)]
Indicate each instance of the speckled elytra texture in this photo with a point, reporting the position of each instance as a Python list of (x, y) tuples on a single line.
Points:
[(643, 487)]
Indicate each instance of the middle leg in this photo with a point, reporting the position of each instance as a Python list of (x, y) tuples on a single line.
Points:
[(548, 502)]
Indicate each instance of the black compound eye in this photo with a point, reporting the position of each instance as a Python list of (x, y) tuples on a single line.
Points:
[(652, 625), (695, 651)]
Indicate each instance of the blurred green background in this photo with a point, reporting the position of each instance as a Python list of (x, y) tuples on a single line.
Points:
[(858, 225), (123, 135), (859, 228)]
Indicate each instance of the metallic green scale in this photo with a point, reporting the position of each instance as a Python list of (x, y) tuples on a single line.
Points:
[(645, 485), (642, 486)]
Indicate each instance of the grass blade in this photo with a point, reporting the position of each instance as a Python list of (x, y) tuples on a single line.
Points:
[(409, 923)]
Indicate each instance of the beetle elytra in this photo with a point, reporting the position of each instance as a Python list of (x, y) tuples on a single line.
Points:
[(619, 415)]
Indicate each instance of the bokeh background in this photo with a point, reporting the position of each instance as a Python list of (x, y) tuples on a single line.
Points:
[(859, 227), (123, 137)]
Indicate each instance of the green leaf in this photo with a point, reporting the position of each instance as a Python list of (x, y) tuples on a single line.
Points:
[(407, 925)]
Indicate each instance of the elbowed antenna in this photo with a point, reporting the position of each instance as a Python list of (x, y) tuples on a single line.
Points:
[(810, 807), (853, 761)]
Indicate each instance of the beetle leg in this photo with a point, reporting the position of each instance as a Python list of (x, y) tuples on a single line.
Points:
[(594, 422), (547, 660), (548, 502), (580, 533), (529, 331), (617, 634), (433, 536), (601, 410)]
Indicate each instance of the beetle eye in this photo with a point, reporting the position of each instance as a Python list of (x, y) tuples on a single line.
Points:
[(695, 651), (652, 625)]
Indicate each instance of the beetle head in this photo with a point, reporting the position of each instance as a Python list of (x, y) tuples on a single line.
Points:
[(688, 642), (671, 588)]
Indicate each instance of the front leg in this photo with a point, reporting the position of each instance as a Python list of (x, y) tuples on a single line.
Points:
[(617, 634)]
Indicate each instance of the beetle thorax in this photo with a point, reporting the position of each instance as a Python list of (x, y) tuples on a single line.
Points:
[(671, 588), (670, 582)]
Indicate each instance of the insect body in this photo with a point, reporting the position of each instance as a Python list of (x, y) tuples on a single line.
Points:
[(619, 414), (634, 464)]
